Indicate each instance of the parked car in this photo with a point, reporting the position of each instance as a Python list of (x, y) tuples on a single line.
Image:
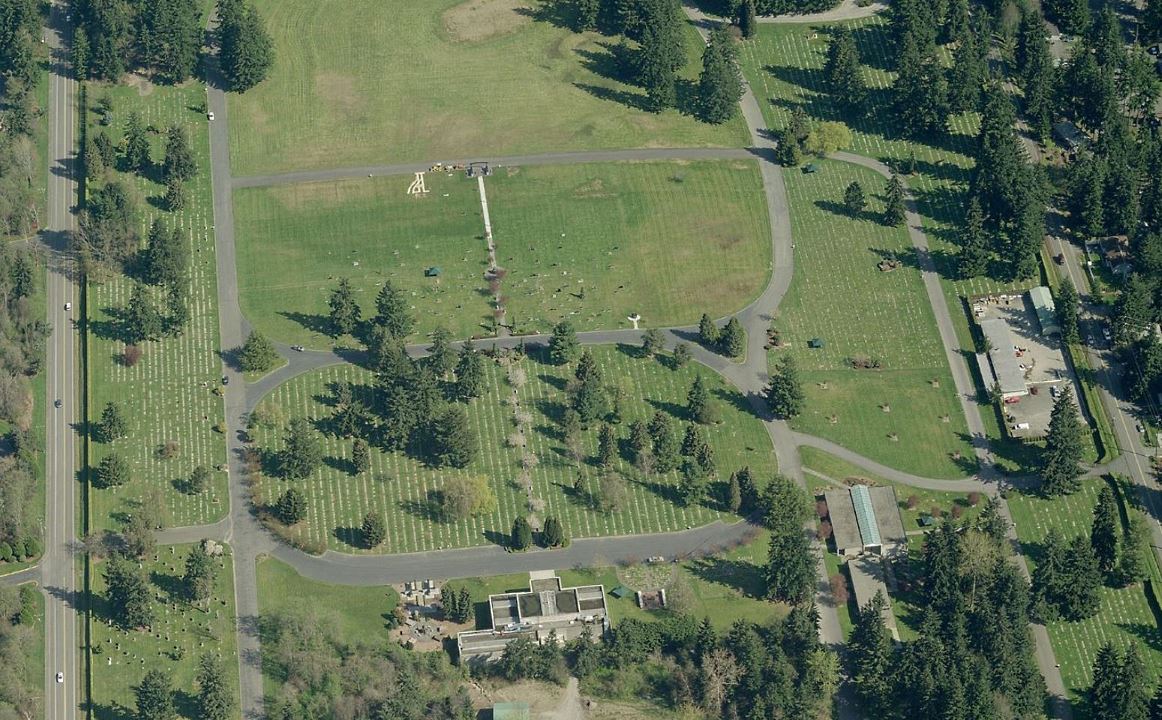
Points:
[(1059, 258)]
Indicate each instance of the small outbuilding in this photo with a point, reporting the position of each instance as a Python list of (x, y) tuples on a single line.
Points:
[(510, 711), (433, 271), (815, 343), (1070, 136), (1042, 301), (810, 168)]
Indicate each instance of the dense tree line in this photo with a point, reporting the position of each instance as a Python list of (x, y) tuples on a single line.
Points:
[(113, 37), (18, 639), (324, 677), (749, 671), (22, 337), (19, 163), (658, 30), (165, 37), (974, 654)]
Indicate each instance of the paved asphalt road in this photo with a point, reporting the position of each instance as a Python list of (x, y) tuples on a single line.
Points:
[(57, 570), (1136, 458)]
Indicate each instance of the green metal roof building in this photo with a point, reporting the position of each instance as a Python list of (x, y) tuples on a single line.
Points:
[(1046, 310), (510, 711)]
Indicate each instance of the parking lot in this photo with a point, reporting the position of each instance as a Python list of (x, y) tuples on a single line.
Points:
[(1040, 358)]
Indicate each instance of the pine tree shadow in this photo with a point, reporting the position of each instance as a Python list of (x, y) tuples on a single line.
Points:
[(746, 578), (171, 585), (315, 323), (430, 508), (112, 711), (350, 536), (557, 14), (670, 408), (343, 465)]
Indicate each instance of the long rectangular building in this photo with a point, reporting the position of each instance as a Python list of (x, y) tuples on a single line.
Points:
[(1003, 358)]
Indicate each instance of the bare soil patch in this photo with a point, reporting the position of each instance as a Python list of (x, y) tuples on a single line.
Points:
[(139, 82), (479, 20), (326, 194), (338, 91)]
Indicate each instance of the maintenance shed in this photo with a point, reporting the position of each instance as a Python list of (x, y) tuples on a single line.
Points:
[(866, 519), (1042, 301)]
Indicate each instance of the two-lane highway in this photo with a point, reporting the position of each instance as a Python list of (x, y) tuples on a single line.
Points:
[(58, 569)]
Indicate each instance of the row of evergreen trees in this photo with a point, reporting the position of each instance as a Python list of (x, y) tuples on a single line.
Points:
[(749, 671), (165, 37), (658, 29)]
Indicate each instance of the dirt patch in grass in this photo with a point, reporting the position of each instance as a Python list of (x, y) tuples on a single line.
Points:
[(593, 189), (339, 92), (320, 195), (479, 20), (140, 83)]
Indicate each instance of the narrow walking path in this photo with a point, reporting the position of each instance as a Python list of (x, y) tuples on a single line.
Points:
[(493, 274), (566, 158)]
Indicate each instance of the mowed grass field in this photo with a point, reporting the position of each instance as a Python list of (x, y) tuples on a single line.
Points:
[(359, 82), (1125, 615), (590, 243), (360, 612), (403, 489), (168, 395), (296, 241), (840, 296), (597, 243), (784, 66), (180, 635)]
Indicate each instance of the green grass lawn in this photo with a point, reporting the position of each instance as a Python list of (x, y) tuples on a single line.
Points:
[(573, 240), (362, 82), (926, 500), (402, 488), (597, 243), (359, 611), (167, 395), (839, 295), (296, 241), (1125, 614), (179, 637), (783, 65)]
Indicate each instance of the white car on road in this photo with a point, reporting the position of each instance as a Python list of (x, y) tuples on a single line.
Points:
[(60, 677)]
